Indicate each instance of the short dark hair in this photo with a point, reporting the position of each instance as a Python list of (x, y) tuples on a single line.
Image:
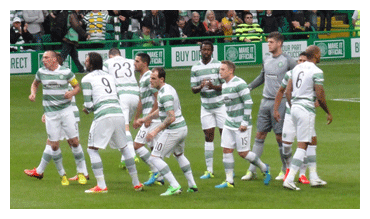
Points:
[(277, 36), (96, 61), (144, 57), (114, 52), (161, 72), (229, 64), (206, 42), (304, 53)]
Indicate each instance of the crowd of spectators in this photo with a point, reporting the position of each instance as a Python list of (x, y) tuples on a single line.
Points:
[(29, 26)]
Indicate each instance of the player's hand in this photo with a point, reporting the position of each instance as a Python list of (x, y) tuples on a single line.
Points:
[(150, 136), (32, 97), (277, 116), (243, 128), (68, 95), (140, 121), (85, 111), (329, 118), (43, 118), (136, 124)]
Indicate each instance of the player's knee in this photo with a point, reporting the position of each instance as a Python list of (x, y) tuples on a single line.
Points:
[(243, 154), (73, 142), (261, 135)]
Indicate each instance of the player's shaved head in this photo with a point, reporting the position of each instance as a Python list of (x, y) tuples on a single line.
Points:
[(313, 53)]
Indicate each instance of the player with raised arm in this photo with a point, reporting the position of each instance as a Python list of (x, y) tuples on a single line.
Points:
[(100, 97), (305, 85)]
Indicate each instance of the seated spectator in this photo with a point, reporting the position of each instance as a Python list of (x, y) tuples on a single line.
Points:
[(96, 22), (210, 16), (146, 35), (269, 22), (299, 22), (249, 31), (229, 23), (194, 28), (215, 30), (19, 35), (157, 21), (177, 31)]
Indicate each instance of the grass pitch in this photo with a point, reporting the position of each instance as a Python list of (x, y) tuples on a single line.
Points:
[(338, 156)]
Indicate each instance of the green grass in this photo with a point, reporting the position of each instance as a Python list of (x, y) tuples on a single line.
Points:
[(338, 156)]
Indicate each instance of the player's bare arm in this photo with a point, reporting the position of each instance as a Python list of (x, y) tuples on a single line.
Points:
[(166, 122), (139, 111), (214, 87), (278, 98), (288, 93), (34, 87), (74, 92), (320, 94), (197, 89)]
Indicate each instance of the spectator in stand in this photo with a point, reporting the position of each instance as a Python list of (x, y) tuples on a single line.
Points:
[(70, 40), (35, 18), (210, 16), (14, 14), (19, 34), (177, 31), (194, 28), (249, 31), (186, 14), (215, 30), (299, 22), (229, 23), (325, 15), (145, 34), (96, 22), (157, 21), (269, 22)]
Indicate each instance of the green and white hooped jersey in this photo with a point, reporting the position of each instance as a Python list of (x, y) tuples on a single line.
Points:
[(55, 85), (210, 99), (169, 100), (304, 78), (123, 70), (100, 95), (238, 103), (146, 93), (284, 84)]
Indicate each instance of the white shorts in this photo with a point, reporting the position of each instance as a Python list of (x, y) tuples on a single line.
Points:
[(235, 139), (64, 136), (304, 123), (128, 104), (288, 129), (211, 118), (141, 135), (289, 132), (64, 120), (170, 142), (108, 130)]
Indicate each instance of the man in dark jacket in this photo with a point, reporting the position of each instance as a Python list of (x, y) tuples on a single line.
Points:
[(19, 34), (194, 28)]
